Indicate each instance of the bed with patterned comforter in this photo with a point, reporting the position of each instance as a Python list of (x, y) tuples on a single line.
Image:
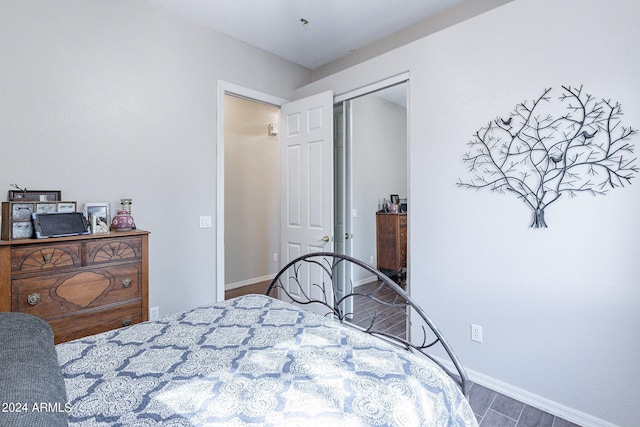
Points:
[(250, 361)]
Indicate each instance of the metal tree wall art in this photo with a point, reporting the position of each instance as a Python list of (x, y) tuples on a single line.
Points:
[(548, 147)]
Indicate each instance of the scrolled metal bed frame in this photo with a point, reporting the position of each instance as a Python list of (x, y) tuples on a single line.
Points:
[(386, 294)]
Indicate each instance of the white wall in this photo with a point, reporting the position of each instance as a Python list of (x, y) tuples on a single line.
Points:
[(559, 306), (111, 99), (252, 191), (378, 166)]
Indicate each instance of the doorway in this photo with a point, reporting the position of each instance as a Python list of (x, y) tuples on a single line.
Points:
[(252, 193), (225, 202)]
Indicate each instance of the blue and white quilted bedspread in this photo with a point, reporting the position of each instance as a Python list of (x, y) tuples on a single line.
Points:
[(253, 361)]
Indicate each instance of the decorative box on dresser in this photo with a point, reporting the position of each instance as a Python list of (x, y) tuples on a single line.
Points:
[(391, 241), (81, 285)]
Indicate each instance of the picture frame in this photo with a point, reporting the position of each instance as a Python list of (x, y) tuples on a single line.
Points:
[(395, 199), (35, 195), (98, 216)]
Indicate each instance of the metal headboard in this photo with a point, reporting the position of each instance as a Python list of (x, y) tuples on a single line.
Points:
[(386, 296)]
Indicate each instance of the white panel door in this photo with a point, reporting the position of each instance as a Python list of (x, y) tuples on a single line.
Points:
[(306, 141)]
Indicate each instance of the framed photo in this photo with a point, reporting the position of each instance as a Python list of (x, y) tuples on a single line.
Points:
[(395, 199), (98, 216), (35, 195)]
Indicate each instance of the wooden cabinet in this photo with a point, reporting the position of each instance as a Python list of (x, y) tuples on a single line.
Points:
[(391, 241), (81, 285)]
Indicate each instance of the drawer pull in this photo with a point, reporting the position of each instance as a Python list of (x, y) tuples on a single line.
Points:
[(33, 298), (47, 257), (126, 321), (126, 282)]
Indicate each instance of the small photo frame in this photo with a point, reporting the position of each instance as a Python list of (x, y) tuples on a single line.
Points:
[(35, 195), (98, 216), (395, 199)]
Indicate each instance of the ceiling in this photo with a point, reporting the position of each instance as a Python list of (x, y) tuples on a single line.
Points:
[(333, 28)]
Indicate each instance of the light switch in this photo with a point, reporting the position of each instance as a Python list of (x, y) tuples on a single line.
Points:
[(205, 222)]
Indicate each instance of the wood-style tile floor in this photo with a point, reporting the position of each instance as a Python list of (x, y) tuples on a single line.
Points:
[(256, 288), (493, 409)]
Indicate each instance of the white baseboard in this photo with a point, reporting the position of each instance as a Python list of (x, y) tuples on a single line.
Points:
[(364, 281), (531, 399), (248, 282), (570, 414)]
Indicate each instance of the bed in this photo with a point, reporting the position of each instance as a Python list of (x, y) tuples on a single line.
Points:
[(256, 360)]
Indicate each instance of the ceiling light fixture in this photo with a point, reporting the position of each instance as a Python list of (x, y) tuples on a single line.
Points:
[(304, 22)]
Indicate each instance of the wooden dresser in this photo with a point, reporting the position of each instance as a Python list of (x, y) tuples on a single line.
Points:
[(81, 285), (391, 241)]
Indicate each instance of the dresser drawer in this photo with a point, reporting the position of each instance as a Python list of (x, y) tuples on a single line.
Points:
[(36, 258), (80, 325), (61, 294), (112, 250)]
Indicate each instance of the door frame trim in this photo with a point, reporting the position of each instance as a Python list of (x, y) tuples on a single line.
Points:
[(227, 88)]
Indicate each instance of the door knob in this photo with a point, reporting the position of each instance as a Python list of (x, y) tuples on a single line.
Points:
[(326, 239)]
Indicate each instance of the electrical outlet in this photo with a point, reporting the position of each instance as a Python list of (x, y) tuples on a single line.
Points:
[(476, 333), (154, 313), (275, 257)]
